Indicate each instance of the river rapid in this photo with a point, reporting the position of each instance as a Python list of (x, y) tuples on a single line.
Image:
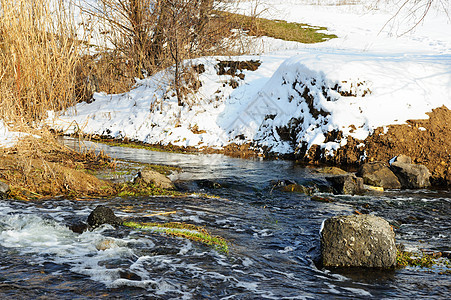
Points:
[(273, 235)]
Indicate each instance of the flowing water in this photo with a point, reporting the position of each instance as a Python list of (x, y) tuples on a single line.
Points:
[(274, 239)]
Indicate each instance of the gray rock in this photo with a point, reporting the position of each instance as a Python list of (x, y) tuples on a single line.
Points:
[(149, 176), (346, 184), (358, 241), (103, 215), (332, 171), (403, 159), (411, 176), (79, 227), (378, 174), (4, 190)]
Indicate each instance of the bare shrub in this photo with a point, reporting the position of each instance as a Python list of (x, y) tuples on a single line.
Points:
[(154, 34)]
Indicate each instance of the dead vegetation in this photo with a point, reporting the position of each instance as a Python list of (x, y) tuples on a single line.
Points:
[(41, 167), (38, 55)]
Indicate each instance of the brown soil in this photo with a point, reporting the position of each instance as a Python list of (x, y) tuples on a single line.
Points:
[(430, 147), (427, 142)]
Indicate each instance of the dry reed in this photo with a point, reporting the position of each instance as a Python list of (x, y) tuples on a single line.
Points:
[(39, 51)]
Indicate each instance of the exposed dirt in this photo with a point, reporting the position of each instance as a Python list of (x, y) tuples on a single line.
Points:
[(235, 68), (427, 142)]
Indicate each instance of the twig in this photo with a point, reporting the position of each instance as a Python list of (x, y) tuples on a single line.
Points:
[(161, 214)]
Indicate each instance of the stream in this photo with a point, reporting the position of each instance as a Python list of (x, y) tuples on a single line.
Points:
[(273, 235)]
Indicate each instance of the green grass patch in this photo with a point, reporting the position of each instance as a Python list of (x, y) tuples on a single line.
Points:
[(128, 189), (188, 231), (279, 29), (422, 260)]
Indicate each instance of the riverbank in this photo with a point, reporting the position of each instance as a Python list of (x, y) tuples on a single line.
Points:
[(363, 96), (426, 141), (39, 167)]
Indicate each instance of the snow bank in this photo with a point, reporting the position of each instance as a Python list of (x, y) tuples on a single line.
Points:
[(299, 96), (8, 138), (353, 93), (308, 95)]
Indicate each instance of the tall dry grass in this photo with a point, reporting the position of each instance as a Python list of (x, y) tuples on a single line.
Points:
[(39, 52)]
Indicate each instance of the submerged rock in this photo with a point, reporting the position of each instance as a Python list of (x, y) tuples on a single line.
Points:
[(358, 241), (297, 188), (281, 183), (411, 176), (208, 184), (378, 174), (346, 184), (79, 227), (103, 215), (105, 244), (309, 188), (149, 176)]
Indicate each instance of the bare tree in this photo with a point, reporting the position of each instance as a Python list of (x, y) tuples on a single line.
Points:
[(416, 10), (155, 34)]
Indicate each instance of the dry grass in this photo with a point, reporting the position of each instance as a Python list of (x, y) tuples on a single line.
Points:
[(40, 70), (108, 71), (42, 167), (278, 29), (38, 55)]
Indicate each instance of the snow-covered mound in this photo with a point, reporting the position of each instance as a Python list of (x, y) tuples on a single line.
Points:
[(294, 107), (287, 101), (320, 93)]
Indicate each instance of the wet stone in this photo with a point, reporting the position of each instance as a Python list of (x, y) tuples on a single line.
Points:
[(411, 176), (346, 184), (151, 177), (103, 215), (378, 174), (358, 241)]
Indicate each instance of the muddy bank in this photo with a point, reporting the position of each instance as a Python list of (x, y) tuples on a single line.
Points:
[(427, 142)]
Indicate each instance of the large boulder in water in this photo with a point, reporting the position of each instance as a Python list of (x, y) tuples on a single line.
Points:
[(149, 176), (358, 241), (346, 184), (411, 176), (379, 174), (103, 215)]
